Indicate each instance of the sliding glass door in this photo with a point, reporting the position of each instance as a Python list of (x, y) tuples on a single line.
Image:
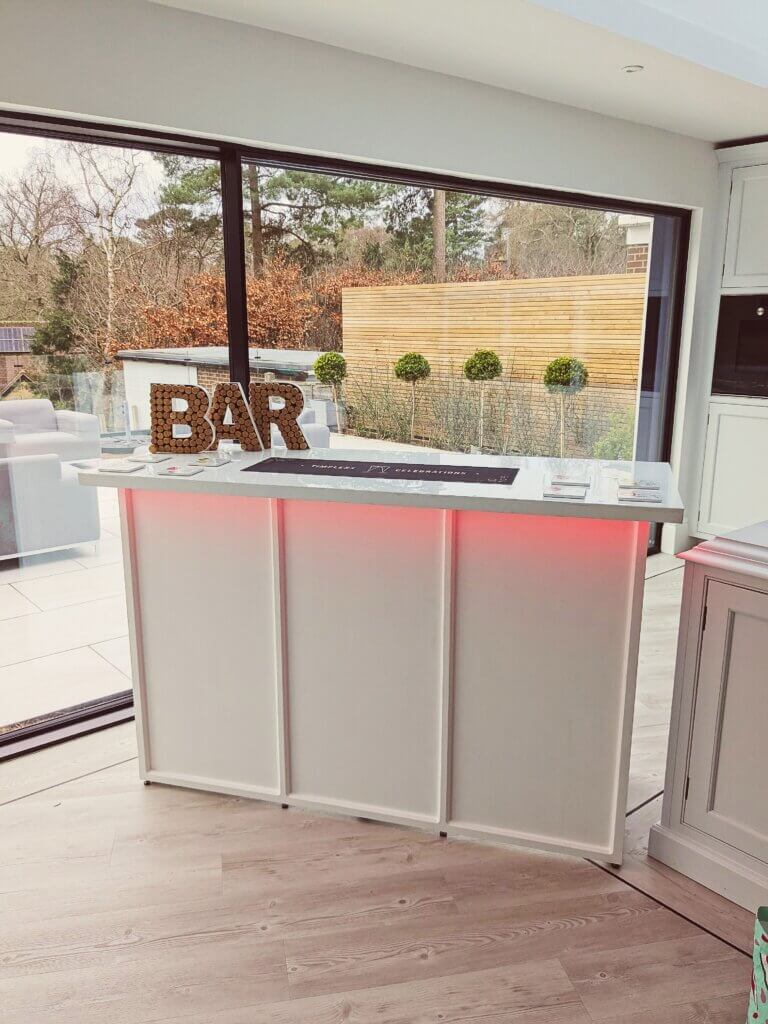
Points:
[(111, 266)]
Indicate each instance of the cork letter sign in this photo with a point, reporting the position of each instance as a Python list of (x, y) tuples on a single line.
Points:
[(230, 398), (285, 417), (185, 431)]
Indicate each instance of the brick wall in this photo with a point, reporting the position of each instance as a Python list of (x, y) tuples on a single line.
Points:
[(209, 376), (637, 259), (11, 365)]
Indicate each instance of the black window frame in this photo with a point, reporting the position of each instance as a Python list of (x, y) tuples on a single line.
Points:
[(95, 715)]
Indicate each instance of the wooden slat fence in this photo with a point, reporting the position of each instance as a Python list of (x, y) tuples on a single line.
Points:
[(527, 322)]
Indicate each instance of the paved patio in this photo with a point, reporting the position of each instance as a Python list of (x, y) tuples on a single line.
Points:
[(63, 627)]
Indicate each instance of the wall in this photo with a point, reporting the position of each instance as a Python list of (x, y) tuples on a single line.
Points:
[(139, 64), (11, 365)]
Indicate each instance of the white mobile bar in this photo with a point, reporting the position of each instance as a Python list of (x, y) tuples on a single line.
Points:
[(458, 657)]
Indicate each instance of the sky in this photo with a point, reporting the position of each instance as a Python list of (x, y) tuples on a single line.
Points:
[(17, 150)]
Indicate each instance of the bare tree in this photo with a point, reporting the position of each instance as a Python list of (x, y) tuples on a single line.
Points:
[(110, 203), (257, 226), (37, 216), (437, 205), (544, 240)]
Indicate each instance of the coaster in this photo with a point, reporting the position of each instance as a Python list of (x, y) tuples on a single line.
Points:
[(639, 485), (119, 467), (176, 470), (639, 497), (149, 459), (211, 460), (571, 492), (561, 480)]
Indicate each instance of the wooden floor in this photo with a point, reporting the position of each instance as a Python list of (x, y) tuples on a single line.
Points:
[(125, 904)]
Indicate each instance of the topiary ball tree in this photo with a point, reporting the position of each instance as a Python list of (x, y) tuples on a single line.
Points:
[(412, 367), (331, 368), (565, 377), (483, 366)]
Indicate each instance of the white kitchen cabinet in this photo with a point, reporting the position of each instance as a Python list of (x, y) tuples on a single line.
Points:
[(714, 825), (730, 726), (734, 490), (746, 245)]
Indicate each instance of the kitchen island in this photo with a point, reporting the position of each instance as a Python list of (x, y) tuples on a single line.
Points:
[(457, 656)]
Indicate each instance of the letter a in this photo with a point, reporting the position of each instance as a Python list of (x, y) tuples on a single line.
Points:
[(231, 397)]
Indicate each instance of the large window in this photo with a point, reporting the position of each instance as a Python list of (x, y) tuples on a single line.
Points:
[(467, 317), (467, 322)]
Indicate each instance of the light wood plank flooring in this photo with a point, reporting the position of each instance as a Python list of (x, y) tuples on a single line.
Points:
[(122, 904), (658, 647)]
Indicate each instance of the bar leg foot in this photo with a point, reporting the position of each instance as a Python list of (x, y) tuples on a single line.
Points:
[(443, 835), (285, 806)]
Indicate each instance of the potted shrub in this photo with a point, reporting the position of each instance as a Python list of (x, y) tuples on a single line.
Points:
[(565, 377), (412, 367), (331, 368), (483, 366)]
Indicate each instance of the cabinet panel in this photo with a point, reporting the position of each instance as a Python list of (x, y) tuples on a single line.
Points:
[(726, 795), (734, 489), (364, 697), (534, 688), (208, 643), (746, 247)]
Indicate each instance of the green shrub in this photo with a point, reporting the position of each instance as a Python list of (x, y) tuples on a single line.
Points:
[(483, 365), (565, 375), (412, 367), (331, 368), (617, 442)]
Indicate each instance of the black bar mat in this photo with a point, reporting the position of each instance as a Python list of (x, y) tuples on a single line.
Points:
[(387, 470)]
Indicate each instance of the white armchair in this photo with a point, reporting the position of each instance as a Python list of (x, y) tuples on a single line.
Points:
[(43, 506), (33, 427)]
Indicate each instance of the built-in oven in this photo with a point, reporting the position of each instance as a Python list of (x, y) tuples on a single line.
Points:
[(741, 352)]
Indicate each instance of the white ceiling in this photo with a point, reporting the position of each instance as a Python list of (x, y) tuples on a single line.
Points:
[(692, 50), (731, 37)]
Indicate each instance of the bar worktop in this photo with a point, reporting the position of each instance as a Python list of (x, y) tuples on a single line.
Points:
[(523, 496)]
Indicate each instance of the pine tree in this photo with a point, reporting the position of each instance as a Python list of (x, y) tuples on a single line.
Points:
[(420, 243), (55, 339)]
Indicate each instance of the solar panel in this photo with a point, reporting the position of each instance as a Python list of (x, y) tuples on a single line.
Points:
[(16, 338)]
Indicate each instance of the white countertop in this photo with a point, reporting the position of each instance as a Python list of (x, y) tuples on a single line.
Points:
[(523, 497)]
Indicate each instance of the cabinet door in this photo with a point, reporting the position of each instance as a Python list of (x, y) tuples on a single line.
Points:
[(727, 792), (746, 246), (734, 490)]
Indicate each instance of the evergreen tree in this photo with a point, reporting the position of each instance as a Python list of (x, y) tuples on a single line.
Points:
[(409, 217), (299, 213), (55, 339), (303, 214), (188, 217)]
